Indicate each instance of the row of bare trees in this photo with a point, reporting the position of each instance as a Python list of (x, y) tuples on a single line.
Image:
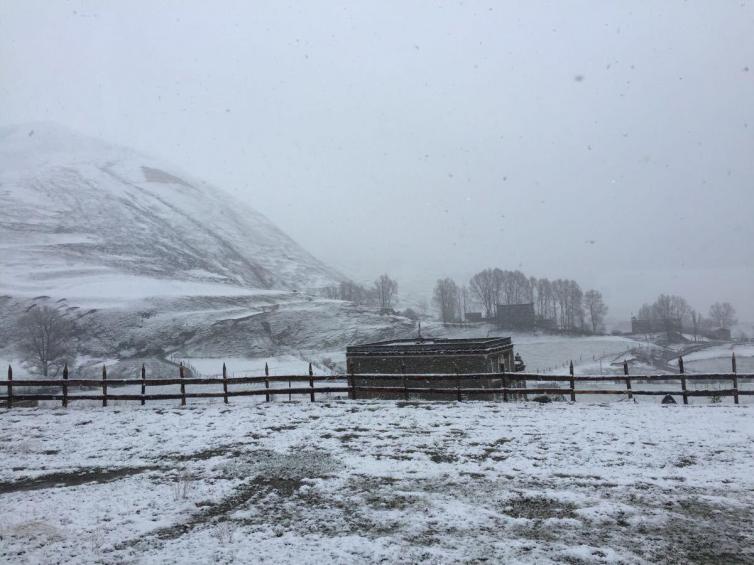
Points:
[(673, 313), (381, 294), (491, 287), (558, 304)]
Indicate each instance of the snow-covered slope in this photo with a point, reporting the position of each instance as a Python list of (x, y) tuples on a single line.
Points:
[(151, 262), (84, 219)]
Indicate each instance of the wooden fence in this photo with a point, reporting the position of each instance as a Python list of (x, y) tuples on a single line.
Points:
[(401, 390)]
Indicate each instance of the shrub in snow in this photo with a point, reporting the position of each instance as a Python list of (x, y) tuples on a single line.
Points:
[(225, 531), (182, 485)]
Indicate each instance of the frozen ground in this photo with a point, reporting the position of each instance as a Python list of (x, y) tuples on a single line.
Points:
[(363, 482), (251, 366), (547, 353), (717, 359)]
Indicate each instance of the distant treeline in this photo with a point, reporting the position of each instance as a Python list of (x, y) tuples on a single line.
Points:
[(673, 313), (558, 304), (382, 294)]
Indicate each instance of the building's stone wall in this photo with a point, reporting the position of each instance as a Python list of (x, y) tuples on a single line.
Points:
[(493, 381), (433, 364), (437, 364)]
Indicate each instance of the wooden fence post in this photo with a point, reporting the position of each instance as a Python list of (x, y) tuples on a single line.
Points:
[(458, 388), (266, 382), (683, 380), (505, 385), (735, 378), (351, 381), (183, 385), (10, 386), (104, 385), (628, 379), (65, 385), (311, 382), (143, 383), (403, 380), (573, 383), (225, 384)]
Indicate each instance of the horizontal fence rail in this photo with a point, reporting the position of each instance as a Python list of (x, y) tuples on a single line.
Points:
[(370, 385)]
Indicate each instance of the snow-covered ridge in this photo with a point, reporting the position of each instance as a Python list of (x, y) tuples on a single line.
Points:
[(79, 212)]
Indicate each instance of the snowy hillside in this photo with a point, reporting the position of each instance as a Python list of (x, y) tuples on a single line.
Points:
[(82, 218), (151, 262)]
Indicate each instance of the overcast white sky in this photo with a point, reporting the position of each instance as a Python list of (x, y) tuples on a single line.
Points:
[(611, 142)]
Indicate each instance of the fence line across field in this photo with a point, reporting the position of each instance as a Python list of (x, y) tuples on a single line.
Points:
[(354, 391)]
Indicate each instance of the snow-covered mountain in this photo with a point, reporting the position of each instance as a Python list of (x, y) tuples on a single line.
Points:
[(152, 262), (83, 218)]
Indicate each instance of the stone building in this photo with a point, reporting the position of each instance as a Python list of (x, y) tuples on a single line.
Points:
[(645, 326), (516, 316), (433, 356)]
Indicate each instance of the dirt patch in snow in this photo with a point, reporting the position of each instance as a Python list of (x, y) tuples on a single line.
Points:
[(265, 473), (72, 478), (538, 508)]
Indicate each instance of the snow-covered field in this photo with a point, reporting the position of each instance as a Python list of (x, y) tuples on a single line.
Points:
[(717, 359), (553, 353), (548, 353), (251, 366), (363, 482)]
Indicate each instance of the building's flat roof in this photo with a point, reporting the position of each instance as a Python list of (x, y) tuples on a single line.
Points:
[(431, 345)]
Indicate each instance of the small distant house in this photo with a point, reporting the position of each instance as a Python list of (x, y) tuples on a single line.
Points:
[(432, 357), (645, 326), (720, 334), (473, 316), (516, 316)]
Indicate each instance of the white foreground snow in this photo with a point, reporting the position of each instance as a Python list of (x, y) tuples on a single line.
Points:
[(363, 482)]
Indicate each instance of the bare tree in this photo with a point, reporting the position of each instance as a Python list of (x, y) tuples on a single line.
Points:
[(595, 308), (46, 339), (575, 306), (385, 288), (568, 304), (723, 314), (696, 323), (464, 299), (670, 309), (546, 307), (647, 312), (445, 297), (356, 293), (485, 287)]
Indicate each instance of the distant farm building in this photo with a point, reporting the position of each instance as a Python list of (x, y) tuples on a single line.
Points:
[(644, 326), (516, 316), (430, 356), (473, 316), (720, 334)]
